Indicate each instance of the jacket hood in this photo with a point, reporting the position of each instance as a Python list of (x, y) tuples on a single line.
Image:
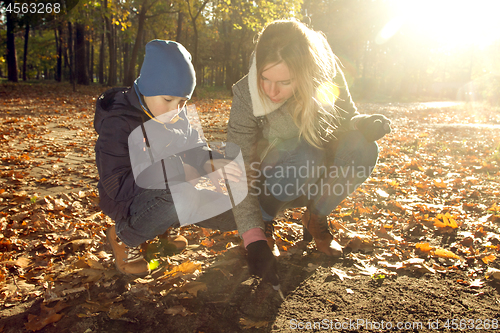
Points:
[(260, 107), (123, 99)]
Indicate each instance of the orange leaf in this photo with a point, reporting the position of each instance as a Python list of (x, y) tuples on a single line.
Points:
[(489, 258), (47, 316), (207, 242), (440, 184), (414, 165), (424, 247)]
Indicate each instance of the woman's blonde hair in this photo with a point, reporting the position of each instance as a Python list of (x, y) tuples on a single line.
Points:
[(312, 64)]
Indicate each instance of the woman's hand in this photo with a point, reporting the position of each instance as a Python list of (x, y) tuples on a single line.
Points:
[(374, 127), (261, 262)]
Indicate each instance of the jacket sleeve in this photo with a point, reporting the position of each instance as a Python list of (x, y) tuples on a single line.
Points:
[(344, 104), (113, 160), (200, 154), (242, 134)]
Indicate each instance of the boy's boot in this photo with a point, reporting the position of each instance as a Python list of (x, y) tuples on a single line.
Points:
[(128, 260), (179, 241), (317, 227)]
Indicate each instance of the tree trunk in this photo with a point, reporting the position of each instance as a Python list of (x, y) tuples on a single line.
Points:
[(228, 65), (11, 47), (81, 55), (71, 58), (112, 49), (101, 59), (195, 55), (129, 80), (180, 17), (126, 52), (91, 62), (70, 53), (59, 41), (25, 55), (195, 30), (119, 60)]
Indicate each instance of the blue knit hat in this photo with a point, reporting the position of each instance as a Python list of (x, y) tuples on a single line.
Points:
[(166, 70)]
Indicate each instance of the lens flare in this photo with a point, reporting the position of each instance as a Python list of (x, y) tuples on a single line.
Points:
[(327, 93)]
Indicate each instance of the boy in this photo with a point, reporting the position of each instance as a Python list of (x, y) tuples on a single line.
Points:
[(143, 209)]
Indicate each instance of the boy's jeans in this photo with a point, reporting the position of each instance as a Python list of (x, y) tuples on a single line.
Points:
[(295, 174), (153, 211)]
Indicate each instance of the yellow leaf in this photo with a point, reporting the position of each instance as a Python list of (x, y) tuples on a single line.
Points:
[(186, 267), (446, 254), (448, 221)]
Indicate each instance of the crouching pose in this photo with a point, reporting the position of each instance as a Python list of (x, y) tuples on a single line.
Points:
[(302, 140), (146, 149)]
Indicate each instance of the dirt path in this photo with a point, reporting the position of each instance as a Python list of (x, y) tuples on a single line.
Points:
[(421, 237)]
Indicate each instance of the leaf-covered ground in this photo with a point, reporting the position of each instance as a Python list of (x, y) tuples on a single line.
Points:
[(421, 237)]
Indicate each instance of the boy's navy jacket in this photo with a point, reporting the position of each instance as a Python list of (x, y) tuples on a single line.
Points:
[(118, 113)]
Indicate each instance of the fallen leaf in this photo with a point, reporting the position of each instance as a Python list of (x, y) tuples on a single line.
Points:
[(178, 310), (442, 253), (488, 259), (440, 184), (116, 311), (310, 267), (492, 273), (382, 193), (208, 242), (47, 316), (22, 262), (414, 261), (248, 323), (447, 221), (477, 283), (186, 267), (340, 273), (194, 287), (424, 247), (366, 269)]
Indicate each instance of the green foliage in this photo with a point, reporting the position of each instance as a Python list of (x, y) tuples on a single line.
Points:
[(41, 52), (406, 67)]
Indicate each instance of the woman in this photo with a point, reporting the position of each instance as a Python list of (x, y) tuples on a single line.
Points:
[(302, 140)]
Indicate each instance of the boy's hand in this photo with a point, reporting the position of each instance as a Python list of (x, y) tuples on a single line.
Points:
[(231, 169)]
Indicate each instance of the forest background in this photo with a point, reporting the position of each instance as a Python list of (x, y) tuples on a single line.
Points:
[(391, 50)]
